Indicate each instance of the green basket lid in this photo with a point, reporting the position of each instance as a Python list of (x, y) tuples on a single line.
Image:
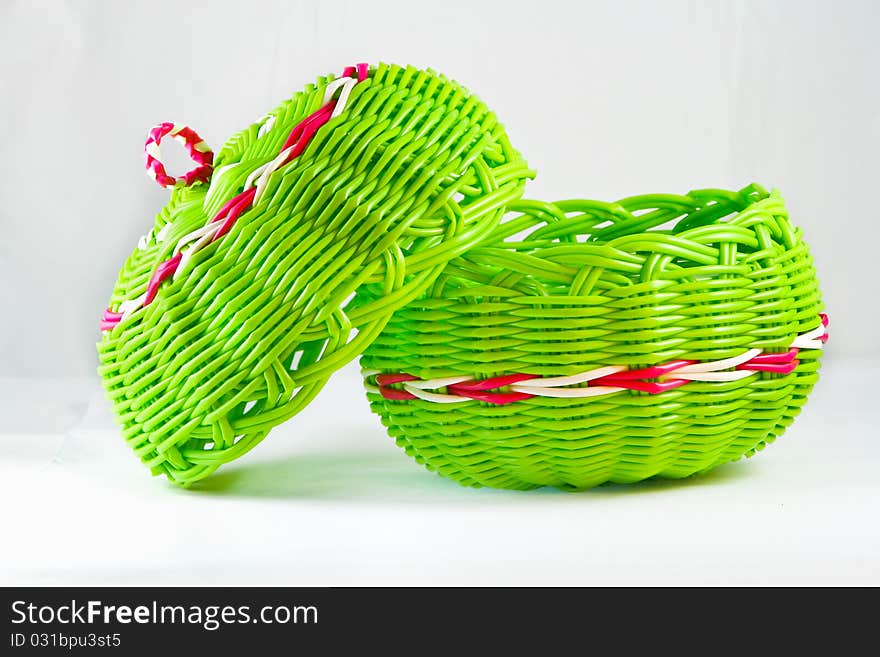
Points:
[(281, 260)]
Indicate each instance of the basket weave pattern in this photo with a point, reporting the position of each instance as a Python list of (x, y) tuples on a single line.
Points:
[(564, 288), (415, 171)]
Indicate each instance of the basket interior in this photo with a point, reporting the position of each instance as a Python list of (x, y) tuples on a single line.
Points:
[(703, 235)]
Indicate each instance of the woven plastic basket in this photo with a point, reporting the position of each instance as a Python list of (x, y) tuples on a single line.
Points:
[(237, 306), (589, 342)]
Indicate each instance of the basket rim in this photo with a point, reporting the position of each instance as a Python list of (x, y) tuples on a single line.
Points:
[(555, 222)]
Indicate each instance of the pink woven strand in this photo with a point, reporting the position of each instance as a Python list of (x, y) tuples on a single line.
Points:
[(162, 272), (241, 202), (490, 384), (389, 379), (110, 319), (785, 357), (775, 368), (497, 398), (361, 69)]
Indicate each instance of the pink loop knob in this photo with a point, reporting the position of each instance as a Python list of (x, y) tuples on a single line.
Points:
[(198, 151)]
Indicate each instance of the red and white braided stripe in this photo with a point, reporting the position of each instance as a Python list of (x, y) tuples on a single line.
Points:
[(602, 381), (253, 189)]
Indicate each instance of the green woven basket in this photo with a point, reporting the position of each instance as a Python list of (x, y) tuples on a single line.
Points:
[(412, 173), (588, 342)]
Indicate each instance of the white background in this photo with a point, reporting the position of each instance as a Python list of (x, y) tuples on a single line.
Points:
[(606, 99)]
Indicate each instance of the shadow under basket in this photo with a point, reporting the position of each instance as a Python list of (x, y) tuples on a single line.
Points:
[(589, 342)]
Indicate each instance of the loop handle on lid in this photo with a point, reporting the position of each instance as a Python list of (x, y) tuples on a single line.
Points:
[(198, 150)]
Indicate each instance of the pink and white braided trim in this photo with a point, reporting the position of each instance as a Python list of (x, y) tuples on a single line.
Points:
[(254, 186), (602, 381), (198, 151)]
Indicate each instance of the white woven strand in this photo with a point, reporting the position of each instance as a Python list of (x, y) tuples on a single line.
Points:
[(266, 124), (433, 384), (590, 391), (343, 97), (131, 305), (810, 340), (266, 171), (716, 365), (435, 397), (734, 375), (574, 379), (204, 236)]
